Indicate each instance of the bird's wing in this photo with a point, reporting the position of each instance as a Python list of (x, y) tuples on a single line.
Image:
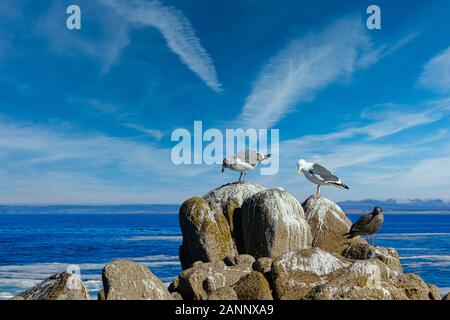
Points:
[(323, 173), (248, 156), (362, 221)]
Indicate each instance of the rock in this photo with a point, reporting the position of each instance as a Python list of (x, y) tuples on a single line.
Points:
[(127, 280), (435, 294), (263, 265), (229, 260), (253, 286), (176, 296), (328, 224), (59, 286), (202, 280), (229, 199), (206, 234), (224, 293), (273, 223), (101, 295), (363, 280), (363, 251), (245, 259), (295, 273), (373, 280), (446, 297), (415, 288)]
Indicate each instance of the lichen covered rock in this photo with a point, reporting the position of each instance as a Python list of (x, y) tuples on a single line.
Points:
[(127, 280), (229, 198), (328, 224), (205, 279), (363, 251), (295, 273), (59, 286), (206, 233), (273, 223), (253, 286)]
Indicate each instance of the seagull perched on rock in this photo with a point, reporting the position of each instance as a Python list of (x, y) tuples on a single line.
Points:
[(243, 161), (367, 225), (319, 175)]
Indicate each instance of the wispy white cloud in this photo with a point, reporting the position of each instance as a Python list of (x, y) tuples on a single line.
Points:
[(56, 164), (177, 31), (154, 133), (302, 68), (307, 65), (436, 73)]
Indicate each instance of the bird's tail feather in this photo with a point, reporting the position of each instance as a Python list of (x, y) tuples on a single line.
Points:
[(340, 184)]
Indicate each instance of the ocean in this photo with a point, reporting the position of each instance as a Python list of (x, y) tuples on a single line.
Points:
[(33, 246)]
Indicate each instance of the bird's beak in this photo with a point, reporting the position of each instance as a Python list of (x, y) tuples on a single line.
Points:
[(299, 171)]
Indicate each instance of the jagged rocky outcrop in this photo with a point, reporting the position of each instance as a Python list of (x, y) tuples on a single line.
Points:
[(246, 242), (328, 224), (273, 223), (59, 286), (211, 224), (276, 248), (127, 280)]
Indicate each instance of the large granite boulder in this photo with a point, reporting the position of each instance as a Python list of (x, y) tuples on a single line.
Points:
[(127, 280), (253, 286), (328, 224), (373, 280), (59, 286), (206, 233), (273, 223), (205, 279), (229, 198), (364, 251), (295, 273)]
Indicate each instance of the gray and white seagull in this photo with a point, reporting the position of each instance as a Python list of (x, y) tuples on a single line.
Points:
[(243, 161), (319, 175)]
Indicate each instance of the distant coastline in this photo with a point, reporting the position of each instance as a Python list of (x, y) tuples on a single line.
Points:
[(351, 207)]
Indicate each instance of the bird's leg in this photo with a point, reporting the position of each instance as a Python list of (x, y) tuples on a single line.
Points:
[(318, 190), (373, 240), (239, 180)]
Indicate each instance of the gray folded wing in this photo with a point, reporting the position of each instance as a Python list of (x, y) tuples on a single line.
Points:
[(323, 173)]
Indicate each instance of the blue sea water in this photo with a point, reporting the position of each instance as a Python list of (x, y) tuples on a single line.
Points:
[(33, 246)]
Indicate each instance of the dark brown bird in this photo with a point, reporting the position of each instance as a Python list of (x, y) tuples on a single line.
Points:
[(367, 225)]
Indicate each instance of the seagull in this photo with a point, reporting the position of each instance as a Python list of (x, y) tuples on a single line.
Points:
[(319, 175), (243, 161), (367, 225)]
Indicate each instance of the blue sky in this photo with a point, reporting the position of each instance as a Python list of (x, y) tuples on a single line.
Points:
[(86, 115)]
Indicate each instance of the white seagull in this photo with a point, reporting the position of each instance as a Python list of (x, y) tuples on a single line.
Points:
[(319, 175), (243, 161)]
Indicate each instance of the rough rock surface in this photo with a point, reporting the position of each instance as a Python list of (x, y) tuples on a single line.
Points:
[(223, 293), (328, 224), (127, 280), (295, 273), (229, 198), (373, 280), (206, 233), (273, 223), (253, 286), (59, 286), (363, 251), (204, 279), (446, 297), (263, 265)]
